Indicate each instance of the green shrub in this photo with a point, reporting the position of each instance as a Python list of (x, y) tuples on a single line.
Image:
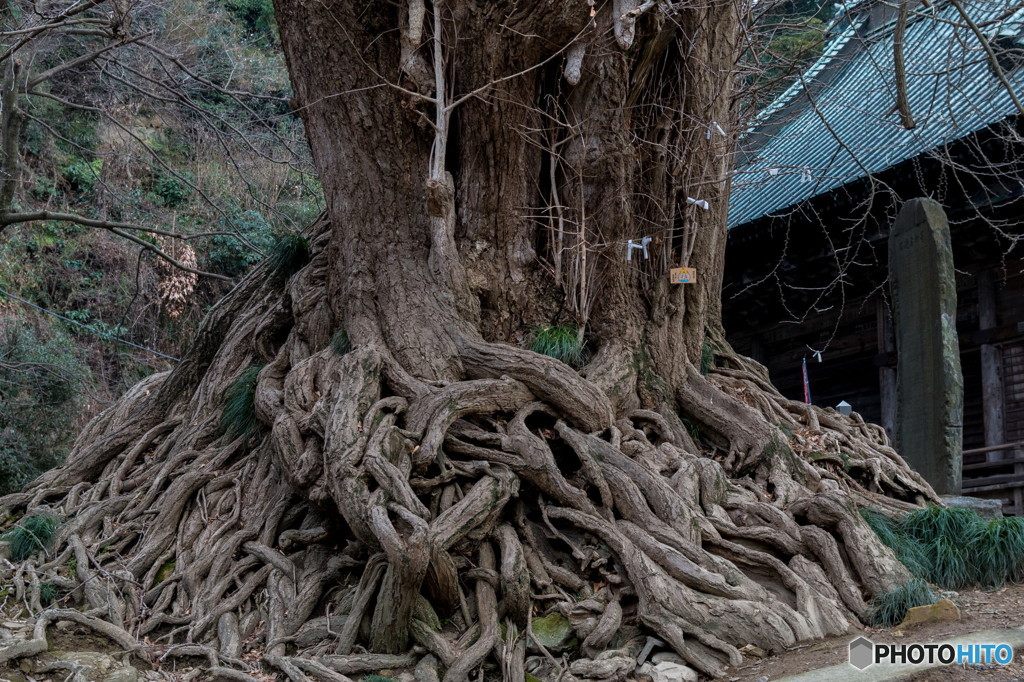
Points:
[(172, 191), (239, 417), (81, 175), (560, 342), (294, 215), (44, 188), (256, 17), (340, 342), (78, 128), (31, 534), (16, 467), (289, 254), (889, 609), (229, 254)]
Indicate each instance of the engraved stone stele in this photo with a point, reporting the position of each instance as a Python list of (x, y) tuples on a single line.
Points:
[(930, 387)]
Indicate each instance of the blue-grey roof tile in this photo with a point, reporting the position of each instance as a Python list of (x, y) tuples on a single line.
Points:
[(952, 90)]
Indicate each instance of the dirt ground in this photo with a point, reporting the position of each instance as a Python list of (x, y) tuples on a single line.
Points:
[(978, 611)]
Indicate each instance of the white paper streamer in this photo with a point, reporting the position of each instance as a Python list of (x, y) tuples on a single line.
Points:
[(713, 127), (634, 244)]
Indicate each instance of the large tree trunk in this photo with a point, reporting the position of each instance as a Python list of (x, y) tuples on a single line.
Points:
[(437, 481)]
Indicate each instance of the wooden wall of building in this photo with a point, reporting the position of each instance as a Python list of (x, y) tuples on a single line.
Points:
[(852, 356)]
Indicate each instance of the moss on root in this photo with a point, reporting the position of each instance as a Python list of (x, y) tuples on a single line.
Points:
[(340, 343)]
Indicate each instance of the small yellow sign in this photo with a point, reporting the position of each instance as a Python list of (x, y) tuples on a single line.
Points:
[(683, 276)]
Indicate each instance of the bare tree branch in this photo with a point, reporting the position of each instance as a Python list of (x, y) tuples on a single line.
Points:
[(79, 61), (120, 230), (899, 67), (70, 12), (992, 58)]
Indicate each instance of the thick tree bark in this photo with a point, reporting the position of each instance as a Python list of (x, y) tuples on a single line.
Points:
[(437, 485)]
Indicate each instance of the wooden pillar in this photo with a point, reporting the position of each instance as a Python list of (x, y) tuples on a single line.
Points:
[(886, 374), (991, 367), (758, 353)]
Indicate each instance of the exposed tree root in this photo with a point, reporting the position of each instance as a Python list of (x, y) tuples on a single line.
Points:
[(366, 526)]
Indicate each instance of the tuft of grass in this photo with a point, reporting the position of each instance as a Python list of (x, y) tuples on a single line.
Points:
[(48, 593), (954, 547), (997, 553), (948, 535), (908, 551), (239, 416), (289, 254), (692, 429), (32, 534), (707, 357), (950, 567), (955, 523), (340, 342), (890, 608), (559, 342)]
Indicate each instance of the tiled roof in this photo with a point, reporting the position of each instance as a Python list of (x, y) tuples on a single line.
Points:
[(952, 90)]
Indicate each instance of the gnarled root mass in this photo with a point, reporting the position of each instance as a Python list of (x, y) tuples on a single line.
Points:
[(375, 523)]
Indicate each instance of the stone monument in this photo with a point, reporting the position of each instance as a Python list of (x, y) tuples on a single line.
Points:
[(929, 384)]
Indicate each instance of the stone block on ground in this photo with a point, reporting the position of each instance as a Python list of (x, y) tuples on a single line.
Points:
[(986, 509), (668, 672), (752, 651), (939, 612)]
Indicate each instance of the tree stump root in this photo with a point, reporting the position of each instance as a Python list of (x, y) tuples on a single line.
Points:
[(366, 526)]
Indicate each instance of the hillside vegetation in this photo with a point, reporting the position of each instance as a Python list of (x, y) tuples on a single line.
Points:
[(187, 131)]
